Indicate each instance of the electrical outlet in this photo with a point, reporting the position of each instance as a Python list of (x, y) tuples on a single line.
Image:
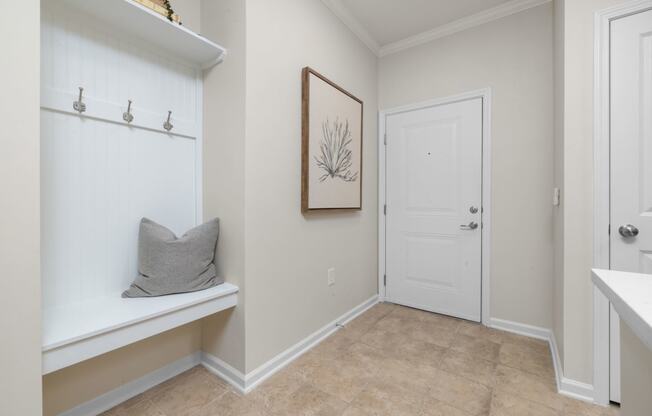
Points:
[(331, 276)]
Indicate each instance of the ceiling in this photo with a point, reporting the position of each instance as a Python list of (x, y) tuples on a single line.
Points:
[(389, 25)]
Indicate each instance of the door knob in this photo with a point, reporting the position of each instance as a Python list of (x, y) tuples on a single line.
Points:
[(628, 231), (471, 226)]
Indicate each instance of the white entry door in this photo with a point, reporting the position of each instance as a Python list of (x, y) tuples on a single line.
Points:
[(434, 213), (631, 158)]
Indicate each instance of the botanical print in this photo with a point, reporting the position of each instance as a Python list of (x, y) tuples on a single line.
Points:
[(331, 146), (335, 157)]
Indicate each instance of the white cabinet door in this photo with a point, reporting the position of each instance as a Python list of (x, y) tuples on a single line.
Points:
[(434, 218), (631, 156)]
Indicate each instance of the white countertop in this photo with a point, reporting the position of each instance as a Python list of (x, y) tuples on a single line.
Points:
[(631, 296)]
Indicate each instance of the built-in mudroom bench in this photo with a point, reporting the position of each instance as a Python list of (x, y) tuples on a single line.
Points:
[(121, 139)]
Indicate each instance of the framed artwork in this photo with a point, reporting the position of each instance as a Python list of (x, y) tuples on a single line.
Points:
[(331, 149)]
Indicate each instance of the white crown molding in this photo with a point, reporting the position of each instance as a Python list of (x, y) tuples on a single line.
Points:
[(486, 16), (353, 24)]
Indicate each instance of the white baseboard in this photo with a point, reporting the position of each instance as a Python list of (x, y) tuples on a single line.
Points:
[(520, 329), (246, 383), (133, 388), (566, 386)]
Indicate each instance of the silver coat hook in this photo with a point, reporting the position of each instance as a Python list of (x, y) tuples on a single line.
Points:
[(79, 105), (127, 116), (167, 125)]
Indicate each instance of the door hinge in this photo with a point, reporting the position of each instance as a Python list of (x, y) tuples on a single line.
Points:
[(384, 280), (385, 209), (609, 229), (385, 140)]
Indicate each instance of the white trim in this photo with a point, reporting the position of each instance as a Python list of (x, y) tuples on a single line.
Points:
[(485, 95), (518, 328), (506, 9), (133, 388), (246, 383), (354, 25), (225, 371), (601, 183)]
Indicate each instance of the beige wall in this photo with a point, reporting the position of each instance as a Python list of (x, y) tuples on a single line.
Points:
[(636, 374), (67, 388), (513, 56), (20, 308), (558, 179), (190, 12), (287, 253), (224, 145), (578, 186)]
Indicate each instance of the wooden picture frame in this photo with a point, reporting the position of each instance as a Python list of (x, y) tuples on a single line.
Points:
[(331, 145)]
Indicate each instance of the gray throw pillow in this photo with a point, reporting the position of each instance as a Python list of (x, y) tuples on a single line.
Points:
[(168, 265)]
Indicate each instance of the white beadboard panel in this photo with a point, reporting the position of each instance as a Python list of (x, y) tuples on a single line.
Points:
[(98, 181), (81, 51), (99, 175)]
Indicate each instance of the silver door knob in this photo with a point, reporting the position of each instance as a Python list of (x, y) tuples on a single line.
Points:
[(628, 231), (471, 226)]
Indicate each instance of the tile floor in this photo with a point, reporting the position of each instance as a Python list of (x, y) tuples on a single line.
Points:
[(393, 361)]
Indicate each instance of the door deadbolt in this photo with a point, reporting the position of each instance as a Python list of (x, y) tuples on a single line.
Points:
[(473, 210)]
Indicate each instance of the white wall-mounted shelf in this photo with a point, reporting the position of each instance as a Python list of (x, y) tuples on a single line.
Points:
[(77, 332), (138, 21)]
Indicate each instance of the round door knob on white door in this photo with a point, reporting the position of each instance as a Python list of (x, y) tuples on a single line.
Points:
[(628, 231)]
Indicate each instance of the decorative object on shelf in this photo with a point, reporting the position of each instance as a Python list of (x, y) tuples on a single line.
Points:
[(161, 7), (79, 105), (127, 116), (167, 125), (331, 150)]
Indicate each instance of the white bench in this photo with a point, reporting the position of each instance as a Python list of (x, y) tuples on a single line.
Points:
[(77, 332)]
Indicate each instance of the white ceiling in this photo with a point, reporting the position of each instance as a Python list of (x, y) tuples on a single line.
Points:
[(387, 26), (389, 21)]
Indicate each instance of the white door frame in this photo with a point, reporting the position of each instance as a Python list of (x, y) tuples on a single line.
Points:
[(485, 95), (601, 185)]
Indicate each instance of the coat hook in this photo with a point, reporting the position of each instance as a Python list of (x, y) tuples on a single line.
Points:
[(79, 105), (167, 125), (127, 116)]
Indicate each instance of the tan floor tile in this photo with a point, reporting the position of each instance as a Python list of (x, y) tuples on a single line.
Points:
[(380, 310), (135, 407), (343, 378), (461, 393), (527, 358), (579, 408), (334, 345), (354, 411), (393, 361), (189, 393), (442, 321), (476, 330), (476, 369), (507, 404), (527, 386), (476, 347), (277, 389), (427, 332), (308, 401), (433, 407), (396, 345), (382, 398), (231, 404)]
